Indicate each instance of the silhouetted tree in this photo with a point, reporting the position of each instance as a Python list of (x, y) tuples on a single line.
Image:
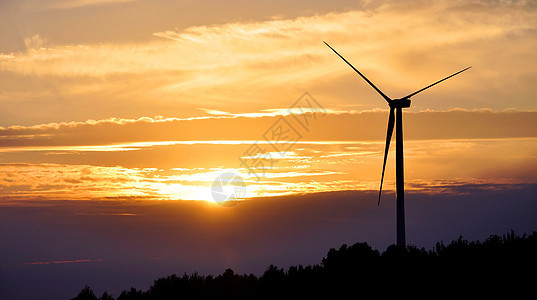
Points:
[(106, 296), (86, 294), (132, 294)]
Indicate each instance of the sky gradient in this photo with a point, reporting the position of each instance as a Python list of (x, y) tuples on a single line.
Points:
[(119, 114)]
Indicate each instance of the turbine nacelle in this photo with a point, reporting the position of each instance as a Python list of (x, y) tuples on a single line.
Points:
[(399, 103)]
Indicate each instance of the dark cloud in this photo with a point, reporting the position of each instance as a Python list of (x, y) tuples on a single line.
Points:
[(365, 126)]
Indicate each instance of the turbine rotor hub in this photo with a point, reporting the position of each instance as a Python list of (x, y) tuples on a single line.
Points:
[(400, 103)]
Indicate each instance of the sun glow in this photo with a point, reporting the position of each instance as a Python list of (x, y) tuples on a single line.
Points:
[(311, 167)]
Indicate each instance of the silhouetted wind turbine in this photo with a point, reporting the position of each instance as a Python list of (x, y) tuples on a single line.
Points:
[(396, 105)]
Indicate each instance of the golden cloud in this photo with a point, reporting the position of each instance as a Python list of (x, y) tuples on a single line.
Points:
[(227, 65)]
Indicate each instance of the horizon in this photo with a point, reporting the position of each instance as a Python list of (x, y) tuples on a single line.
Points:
[(126, 123)]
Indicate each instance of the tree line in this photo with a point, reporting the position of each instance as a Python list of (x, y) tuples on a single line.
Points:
[(498, 266)]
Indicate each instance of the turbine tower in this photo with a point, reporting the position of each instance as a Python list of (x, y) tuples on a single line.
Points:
[(396, 119)]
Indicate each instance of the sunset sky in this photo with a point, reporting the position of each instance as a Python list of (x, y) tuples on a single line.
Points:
[(119, 102)]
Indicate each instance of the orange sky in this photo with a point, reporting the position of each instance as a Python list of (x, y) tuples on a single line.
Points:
[(79, 60), (127, 98)]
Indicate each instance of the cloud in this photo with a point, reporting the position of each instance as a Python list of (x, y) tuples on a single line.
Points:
[(63, 261), (262, 65), (281, 44), (71, 4), (34, 42), (118, 134), (159, 158), (468, 171)]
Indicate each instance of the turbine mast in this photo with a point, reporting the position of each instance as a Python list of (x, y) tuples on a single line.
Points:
[(400, 178)]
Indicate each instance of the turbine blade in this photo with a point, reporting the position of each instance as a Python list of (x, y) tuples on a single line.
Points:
[(423, 89), (391, 122), (370, 83)]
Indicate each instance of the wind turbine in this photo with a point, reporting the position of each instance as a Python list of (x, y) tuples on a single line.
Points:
[(396, 107)]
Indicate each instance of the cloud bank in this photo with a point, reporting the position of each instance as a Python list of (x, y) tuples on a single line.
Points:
[(358, 126), (401, 47)]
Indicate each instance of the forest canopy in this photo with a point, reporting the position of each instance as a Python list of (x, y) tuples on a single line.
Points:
[(498, 265)]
